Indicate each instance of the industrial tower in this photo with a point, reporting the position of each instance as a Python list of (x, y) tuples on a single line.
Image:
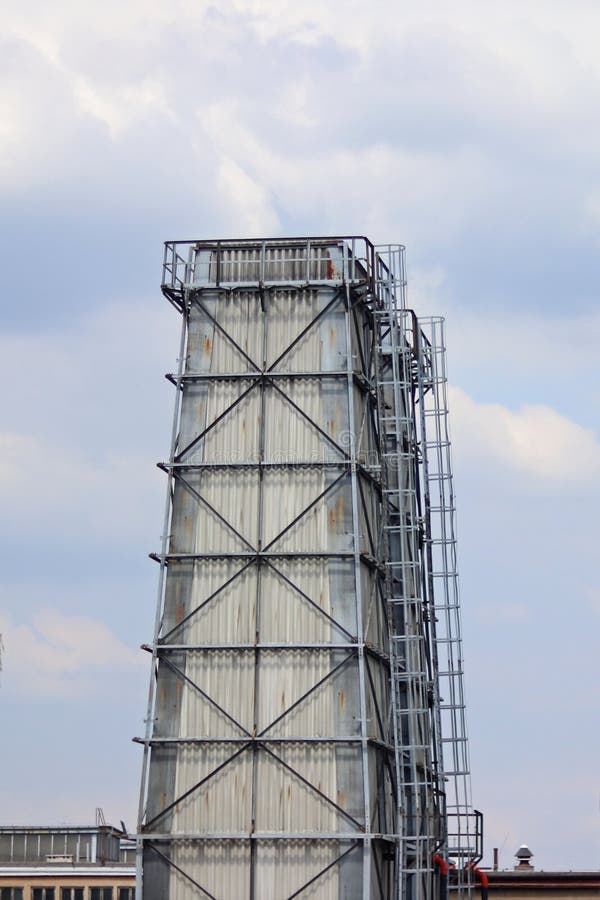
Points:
[(306, 720)]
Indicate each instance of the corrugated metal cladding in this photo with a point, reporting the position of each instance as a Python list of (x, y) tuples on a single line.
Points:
[(271, 764)]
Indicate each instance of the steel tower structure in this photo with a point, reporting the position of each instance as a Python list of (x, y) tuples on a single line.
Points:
[(305, 731)]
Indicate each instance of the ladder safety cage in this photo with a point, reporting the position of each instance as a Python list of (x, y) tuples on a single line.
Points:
[(464, 824), (428, 704)]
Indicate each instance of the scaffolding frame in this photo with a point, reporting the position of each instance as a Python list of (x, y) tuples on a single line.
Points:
[(400, 372)]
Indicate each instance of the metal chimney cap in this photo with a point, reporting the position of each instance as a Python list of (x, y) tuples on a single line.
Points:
[(523, 852)]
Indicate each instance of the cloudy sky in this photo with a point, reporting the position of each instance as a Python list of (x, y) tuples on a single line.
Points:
[(470, 132)]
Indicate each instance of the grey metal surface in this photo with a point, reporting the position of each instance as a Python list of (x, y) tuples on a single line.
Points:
[(272, 634)]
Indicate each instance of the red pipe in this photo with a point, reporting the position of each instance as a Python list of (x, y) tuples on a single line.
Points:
[(483, 880), (441, 864), (443, 867)]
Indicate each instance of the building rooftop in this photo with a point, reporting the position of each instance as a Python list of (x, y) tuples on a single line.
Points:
[(64, 845)]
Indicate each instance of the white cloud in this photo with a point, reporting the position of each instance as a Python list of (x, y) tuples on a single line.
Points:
[(125, 106), (88, 422), (515, 340), (323, 134), (534, 439), (92, 371), (58, 655), (247, 201), (61, 490), (332, 178)]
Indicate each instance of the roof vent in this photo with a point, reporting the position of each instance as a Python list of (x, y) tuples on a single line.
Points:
[(523, 855)]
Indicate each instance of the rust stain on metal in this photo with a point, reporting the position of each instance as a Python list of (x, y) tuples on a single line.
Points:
[(336, 514), (342, 699), (207, 344), (179, 611)]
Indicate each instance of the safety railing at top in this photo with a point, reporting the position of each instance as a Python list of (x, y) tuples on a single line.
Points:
[(175, 267), (354, 259)]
